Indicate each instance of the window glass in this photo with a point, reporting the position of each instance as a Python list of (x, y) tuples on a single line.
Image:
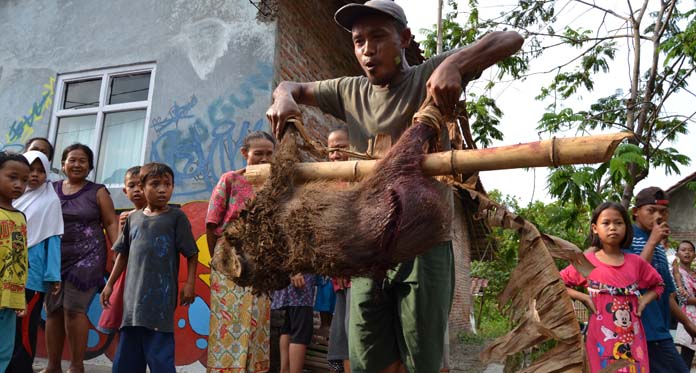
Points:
[(129, 88), (121, 145), (71, 130), (80, 95)]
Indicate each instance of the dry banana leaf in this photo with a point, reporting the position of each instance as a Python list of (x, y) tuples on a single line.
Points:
[(540, 305)]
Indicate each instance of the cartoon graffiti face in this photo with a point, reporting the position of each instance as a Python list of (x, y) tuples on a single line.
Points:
[(622, 318), (621, 312)]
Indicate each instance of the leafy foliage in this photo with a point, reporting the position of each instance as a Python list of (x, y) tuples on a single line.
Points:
[(558, 218), (484, 116), (637, 106)]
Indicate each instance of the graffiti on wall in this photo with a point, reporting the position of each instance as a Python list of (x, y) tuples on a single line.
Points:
[(202, 147), (191, 323), (22, 128)]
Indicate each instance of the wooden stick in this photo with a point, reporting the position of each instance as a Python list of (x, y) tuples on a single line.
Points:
[(546, 153)]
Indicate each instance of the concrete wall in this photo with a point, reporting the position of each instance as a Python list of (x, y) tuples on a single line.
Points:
[(214, 73), (682, 214), (214, 76)]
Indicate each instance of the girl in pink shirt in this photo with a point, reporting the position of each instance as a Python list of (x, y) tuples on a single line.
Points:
[(614, 298)]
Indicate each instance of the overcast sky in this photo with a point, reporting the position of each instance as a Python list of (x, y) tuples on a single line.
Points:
[(522, 111)]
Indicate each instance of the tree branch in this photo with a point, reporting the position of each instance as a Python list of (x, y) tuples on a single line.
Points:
[(674, 84), (630, 9), (665, 24), (633, 171), (650, 84), (641, 13), (671, 132), (573, 40), (678, 61), (626, 36), (666, 117), (609, 11)]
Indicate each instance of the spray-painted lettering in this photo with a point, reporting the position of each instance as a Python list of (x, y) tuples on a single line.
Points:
[(201, 148), (22, 128)]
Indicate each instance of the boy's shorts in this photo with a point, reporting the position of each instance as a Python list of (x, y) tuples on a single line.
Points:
[(298, 323), (338, 341), (403, 317), (139, 347)]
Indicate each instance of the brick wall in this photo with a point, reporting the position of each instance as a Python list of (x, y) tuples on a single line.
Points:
[(683, 235), (311, 46)]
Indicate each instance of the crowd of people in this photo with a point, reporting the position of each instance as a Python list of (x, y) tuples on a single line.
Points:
[(631, 292), (53, 236), (54, 247)]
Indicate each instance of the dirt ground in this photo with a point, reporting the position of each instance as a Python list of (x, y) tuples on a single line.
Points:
[(464, 358)]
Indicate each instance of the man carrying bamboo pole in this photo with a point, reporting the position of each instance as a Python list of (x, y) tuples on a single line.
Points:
[(402, 328)]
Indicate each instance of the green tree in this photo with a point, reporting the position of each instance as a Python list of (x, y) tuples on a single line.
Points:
[(661, 36), (558, 218)]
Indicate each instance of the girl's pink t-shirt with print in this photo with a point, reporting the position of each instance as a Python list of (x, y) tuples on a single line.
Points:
[(615, 332)]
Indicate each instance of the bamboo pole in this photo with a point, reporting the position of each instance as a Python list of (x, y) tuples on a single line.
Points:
[(546, 153)]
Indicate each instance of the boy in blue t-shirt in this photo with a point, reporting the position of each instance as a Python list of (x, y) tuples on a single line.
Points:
[(650, 216), (150, 244)]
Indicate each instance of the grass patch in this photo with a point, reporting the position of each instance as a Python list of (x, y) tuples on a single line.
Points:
[(490, 325), (469, 338), (493, 324)]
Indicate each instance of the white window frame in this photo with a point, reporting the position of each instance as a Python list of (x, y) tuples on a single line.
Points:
[(103, 108)]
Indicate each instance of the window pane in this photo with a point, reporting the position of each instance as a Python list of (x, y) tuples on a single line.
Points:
[(121, 145), (129, 88), (80, 95), (72, 130)]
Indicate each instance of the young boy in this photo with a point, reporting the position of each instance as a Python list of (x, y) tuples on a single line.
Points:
[(150, 243), (14, 174), (650, 215), (111, 318), (133, 192)]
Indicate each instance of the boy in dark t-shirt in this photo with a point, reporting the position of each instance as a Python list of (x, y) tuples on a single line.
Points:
[(149, 244)]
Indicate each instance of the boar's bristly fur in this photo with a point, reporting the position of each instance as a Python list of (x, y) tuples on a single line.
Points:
[(335, 228)]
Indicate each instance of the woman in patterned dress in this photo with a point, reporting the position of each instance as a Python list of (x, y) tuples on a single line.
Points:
[(687, 290), (239, 338)]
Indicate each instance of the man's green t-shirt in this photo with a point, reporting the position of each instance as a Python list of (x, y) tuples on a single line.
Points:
[(369, 110)]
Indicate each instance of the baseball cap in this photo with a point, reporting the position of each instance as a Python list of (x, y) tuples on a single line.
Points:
[(347, 15), (652, 196)]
